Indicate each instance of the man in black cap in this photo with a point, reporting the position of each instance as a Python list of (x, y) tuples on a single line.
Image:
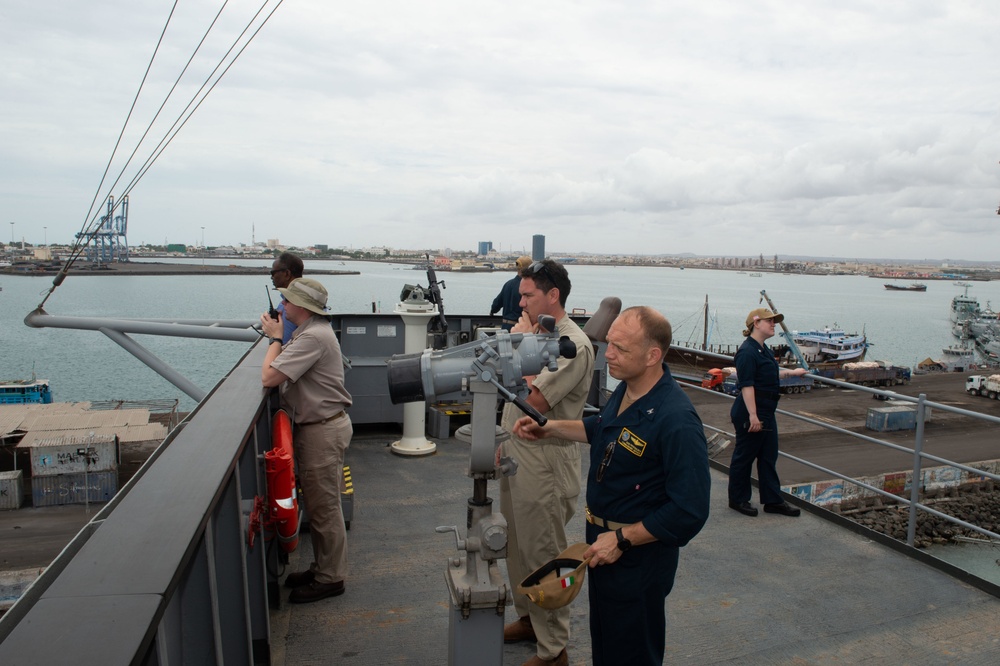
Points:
[(284, 269), (647, 490)]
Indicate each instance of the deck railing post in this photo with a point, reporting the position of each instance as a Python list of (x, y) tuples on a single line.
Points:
[(918, 445)]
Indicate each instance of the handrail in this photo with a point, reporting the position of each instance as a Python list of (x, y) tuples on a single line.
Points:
[(916, 451), (164, 574)]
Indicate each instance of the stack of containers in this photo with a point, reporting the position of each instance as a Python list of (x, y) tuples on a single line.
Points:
[(74, 468)]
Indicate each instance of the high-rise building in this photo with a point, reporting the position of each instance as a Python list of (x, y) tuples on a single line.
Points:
[(538, 247), (485, 247)]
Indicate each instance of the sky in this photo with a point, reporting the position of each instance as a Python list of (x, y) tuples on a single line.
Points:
[(723, 128)]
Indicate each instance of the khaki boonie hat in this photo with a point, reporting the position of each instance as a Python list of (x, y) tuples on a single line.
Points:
[(523, 262), (558, 581), (306, 293)]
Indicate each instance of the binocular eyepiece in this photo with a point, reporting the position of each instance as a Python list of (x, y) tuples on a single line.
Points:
[(504, 359)]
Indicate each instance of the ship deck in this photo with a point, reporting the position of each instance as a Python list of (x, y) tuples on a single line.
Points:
[(768, 589)]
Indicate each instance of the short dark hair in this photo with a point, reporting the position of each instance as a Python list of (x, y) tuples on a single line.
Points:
[(654, 326), (292, 263), (547, 274)]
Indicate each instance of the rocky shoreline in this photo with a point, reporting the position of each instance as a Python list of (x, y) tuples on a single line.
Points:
[(977, 504)]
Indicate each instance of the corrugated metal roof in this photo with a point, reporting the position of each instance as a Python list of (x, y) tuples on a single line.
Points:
[(59, 420), (68, 438), (14, 417), (147, 432)]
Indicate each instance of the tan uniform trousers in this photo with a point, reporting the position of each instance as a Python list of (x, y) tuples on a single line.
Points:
[(538, 503), (319, 452)]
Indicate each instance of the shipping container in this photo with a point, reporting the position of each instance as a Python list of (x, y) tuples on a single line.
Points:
[(73, 488), (11, 490), (894, 417), (74, 453)]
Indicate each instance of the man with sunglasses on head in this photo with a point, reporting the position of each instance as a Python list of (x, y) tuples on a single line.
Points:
[(647, 489), (286, 267), (539, 500)]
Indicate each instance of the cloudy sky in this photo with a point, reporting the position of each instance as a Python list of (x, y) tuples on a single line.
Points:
[(723, 127)]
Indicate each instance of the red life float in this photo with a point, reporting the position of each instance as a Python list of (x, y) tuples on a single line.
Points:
[(282, 505)]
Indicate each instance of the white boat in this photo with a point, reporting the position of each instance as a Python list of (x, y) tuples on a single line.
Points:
[(964, 307), (830, 345), (957, 358)]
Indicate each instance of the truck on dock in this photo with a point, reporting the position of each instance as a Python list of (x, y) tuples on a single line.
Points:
[(724, 380), (875, 373), (988, 387)]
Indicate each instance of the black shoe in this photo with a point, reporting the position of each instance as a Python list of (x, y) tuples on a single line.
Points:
[(746, 508), (783, 508), (300, 578), (315, 591)]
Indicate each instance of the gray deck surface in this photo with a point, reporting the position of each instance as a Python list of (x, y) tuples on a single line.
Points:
[(765, 590)]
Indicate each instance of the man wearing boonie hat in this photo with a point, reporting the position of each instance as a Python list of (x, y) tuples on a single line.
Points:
[(758, 379), (509, 299), (647, 490), (310, 371)]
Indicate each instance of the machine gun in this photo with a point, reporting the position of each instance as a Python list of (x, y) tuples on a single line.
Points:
[(439, 325)]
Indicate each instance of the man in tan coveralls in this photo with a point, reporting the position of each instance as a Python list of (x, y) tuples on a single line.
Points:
[(541, 498)]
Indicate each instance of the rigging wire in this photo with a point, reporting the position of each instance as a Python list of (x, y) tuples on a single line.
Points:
[(89, 230)]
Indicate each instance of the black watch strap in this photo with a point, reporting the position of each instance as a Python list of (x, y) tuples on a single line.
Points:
[(278, 340), (623, 543)]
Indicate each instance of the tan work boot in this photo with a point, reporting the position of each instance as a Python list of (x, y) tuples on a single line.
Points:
[(561, 659), (519, 630)]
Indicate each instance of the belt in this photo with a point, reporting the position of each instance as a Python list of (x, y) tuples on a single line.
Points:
[(509, 321), (326, 420), (606, 524)]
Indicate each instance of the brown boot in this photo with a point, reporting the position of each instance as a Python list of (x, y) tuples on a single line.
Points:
[(519, 630), (561, 659)]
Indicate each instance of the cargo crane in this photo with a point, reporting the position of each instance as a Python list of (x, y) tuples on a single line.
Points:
[(109, 242)]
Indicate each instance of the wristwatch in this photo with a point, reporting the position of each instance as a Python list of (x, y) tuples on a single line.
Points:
[(623, 543), (278, 340)]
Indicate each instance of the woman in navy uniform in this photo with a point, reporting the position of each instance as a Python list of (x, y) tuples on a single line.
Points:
[(752, 414)]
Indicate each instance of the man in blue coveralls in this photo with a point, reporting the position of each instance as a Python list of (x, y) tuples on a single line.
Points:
[(647, 489)]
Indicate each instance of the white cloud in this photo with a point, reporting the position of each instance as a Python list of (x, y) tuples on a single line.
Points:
[(832, 128)]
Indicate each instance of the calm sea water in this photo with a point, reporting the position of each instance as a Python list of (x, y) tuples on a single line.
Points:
[(904, 327)]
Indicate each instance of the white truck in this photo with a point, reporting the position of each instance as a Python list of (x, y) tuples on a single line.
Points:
[(984, 386)]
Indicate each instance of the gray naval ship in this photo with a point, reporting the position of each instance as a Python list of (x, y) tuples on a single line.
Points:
[(177, 569)]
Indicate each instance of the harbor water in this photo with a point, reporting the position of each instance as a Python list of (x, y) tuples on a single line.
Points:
[(904, 328)]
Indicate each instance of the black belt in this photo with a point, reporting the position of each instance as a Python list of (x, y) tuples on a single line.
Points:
[(767, 395), (326, 420)]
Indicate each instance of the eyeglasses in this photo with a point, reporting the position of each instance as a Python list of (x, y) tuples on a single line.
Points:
[(608, 451), (278, 270)]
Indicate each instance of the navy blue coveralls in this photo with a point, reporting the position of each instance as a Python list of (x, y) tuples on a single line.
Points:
[(656, 471), (509, 299), (755, 366)]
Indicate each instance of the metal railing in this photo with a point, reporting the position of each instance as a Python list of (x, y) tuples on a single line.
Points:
[(917, 451), (164, 573)]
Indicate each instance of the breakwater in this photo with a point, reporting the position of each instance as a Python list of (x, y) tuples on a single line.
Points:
[(958, 493)]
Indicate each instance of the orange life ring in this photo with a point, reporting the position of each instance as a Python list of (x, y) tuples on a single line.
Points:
[(283, 505)]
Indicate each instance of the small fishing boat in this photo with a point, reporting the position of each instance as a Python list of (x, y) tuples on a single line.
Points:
[(916, 286)]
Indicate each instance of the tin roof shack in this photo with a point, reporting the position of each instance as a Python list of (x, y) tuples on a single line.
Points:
[(73, 468), (39, 426)]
